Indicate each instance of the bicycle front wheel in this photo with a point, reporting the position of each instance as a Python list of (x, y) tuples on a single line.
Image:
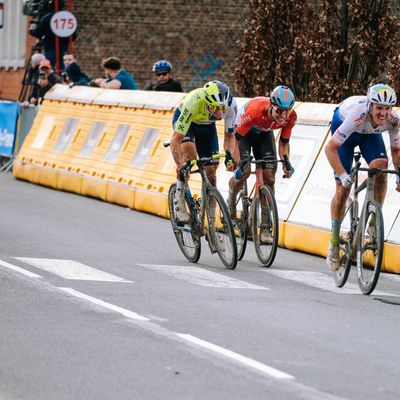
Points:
[(222, 234), (187, 235), (370, 248), (265, 226), (241, 224), (345, 248)]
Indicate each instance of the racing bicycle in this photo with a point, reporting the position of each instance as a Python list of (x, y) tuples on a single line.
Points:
[(258, 214), (209, 217), (362, 235)]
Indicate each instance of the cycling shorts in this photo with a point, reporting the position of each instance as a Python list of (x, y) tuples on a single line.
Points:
[(263, 145), (371, 145), (204, 137)]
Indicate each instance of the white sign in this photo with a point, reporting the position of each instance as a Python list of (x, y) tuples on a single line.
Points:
[(63, 23)]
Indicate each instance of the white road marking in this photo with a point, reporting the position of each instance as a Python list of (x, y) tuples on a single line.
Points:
[(199, 276), (69, 269), (19, 269), (392, 277), (112, 307), (275, 373), (321, 281)]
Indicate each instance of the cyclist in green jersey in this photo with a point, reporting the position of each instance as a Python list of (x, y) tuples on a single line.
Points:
[(195, 133)]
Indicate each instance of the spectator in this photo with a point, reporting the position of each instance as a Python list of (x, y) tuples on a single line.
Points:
[(33, 71), (116, 77), (43, 32), (47, 79), (32, 75), (162, 71), (73, 72)]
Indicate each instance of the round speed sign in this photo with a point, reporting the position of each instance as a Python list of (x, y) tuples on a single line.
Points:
[(63, 23)]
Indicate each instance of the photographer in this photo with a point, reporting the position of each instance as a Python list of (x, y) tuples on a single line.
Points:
[(43, 32), (73, 74), (47, 79)]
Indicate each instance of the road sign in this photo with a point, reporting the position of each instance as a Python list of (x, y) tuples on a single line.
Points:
[(63, 23)]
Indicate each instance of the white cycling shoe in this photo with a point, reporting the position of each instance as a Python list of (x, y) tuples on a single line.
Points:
[(332, 258), (266, 237), (181, 213)]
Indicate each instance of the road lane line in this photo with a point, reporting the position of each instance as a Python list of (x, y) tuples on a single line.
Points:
[(275, 373), (199, 276), (73, 270), (392, 277), (321, 281), (19, 269), (101, 303)]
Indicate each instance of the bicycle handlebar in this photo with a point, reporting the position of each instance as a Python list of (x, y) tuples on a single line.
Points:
[(371, 171), (201, 161), (248, 160)]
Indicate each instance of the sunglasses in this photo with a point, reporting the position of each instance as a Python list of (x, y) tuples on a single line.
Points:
[(161, 73), (214, 109), (281, 111)]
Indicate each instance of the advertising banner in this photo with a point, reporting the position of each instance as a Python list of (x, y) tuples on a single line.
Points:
[(8, 127)]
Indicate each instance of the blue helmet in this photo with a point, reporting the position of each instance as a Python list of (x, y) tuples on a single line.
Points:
[(162, 66), (282, 97)]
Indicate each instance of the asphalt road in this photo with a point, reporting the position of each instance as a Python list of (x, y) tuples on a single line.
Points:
[(97, 302)]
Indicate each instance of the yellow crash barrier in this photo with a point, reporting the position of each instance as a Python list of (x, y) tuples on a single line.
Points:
[(108, 144)]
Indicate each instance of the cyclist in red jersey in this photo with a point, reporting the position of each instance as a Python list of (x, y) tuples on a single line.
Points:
[(254, 127)]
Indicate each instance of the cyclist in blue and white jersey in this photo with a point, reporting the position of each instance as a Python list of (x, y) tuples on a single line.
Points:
[(360, 121)]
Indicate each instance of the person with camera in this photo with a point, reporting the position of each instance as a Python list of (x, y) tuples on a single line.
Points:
[(116, 77), (162, 71), (73, 74), (47, 79), (42, 31)]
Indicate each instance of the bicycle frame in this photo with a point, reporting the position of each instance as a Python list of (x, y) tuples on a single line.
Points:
[(369, 185), (205, 183)]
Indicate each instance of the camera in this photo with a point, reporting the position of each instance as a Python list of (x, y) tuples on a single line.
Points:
[(36, 8), (64, 77), (42, 75)]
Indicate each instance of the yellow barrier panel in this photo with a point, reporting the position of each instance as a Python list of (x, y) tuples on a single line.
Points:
[(108, 144)]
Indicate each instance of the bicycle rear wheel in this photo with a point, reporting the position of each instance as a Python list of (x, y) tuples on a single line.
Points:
[(370, 248), (265, 226), (220, 228), (346, 237), (187, 235), (241, 223)]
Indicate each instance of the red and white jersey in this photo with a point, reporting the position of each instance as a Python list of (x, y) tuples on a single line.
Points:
[(356, 118), (254, 114)]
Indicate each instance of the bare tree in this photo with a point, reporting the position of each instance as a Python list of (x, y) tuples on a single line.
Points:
[(335, 52), (268, 50)]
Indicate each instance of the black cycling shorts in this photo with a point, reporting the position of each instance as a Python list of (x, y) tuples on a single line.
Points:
[(262, 143)]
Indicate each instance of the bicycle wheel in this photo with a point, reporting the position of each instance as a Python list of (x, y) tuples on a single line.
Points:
[(241, 224), (265, 226), (187, 235), (346, 237), (370, 248), (220, 227)]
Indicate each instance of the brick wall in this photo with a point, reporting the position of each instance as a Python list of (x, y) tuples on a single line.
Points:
[(199, 38)]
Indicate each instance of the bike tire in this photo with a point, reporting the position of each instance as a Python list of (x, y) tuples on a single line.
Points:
[(186, 235), (345, 253), (266, 252), (242, 223), (220, 227), (370, 248)]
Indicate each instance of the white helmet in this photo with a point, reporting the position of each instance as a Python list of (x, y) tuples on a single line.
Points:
[(382, 94)]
